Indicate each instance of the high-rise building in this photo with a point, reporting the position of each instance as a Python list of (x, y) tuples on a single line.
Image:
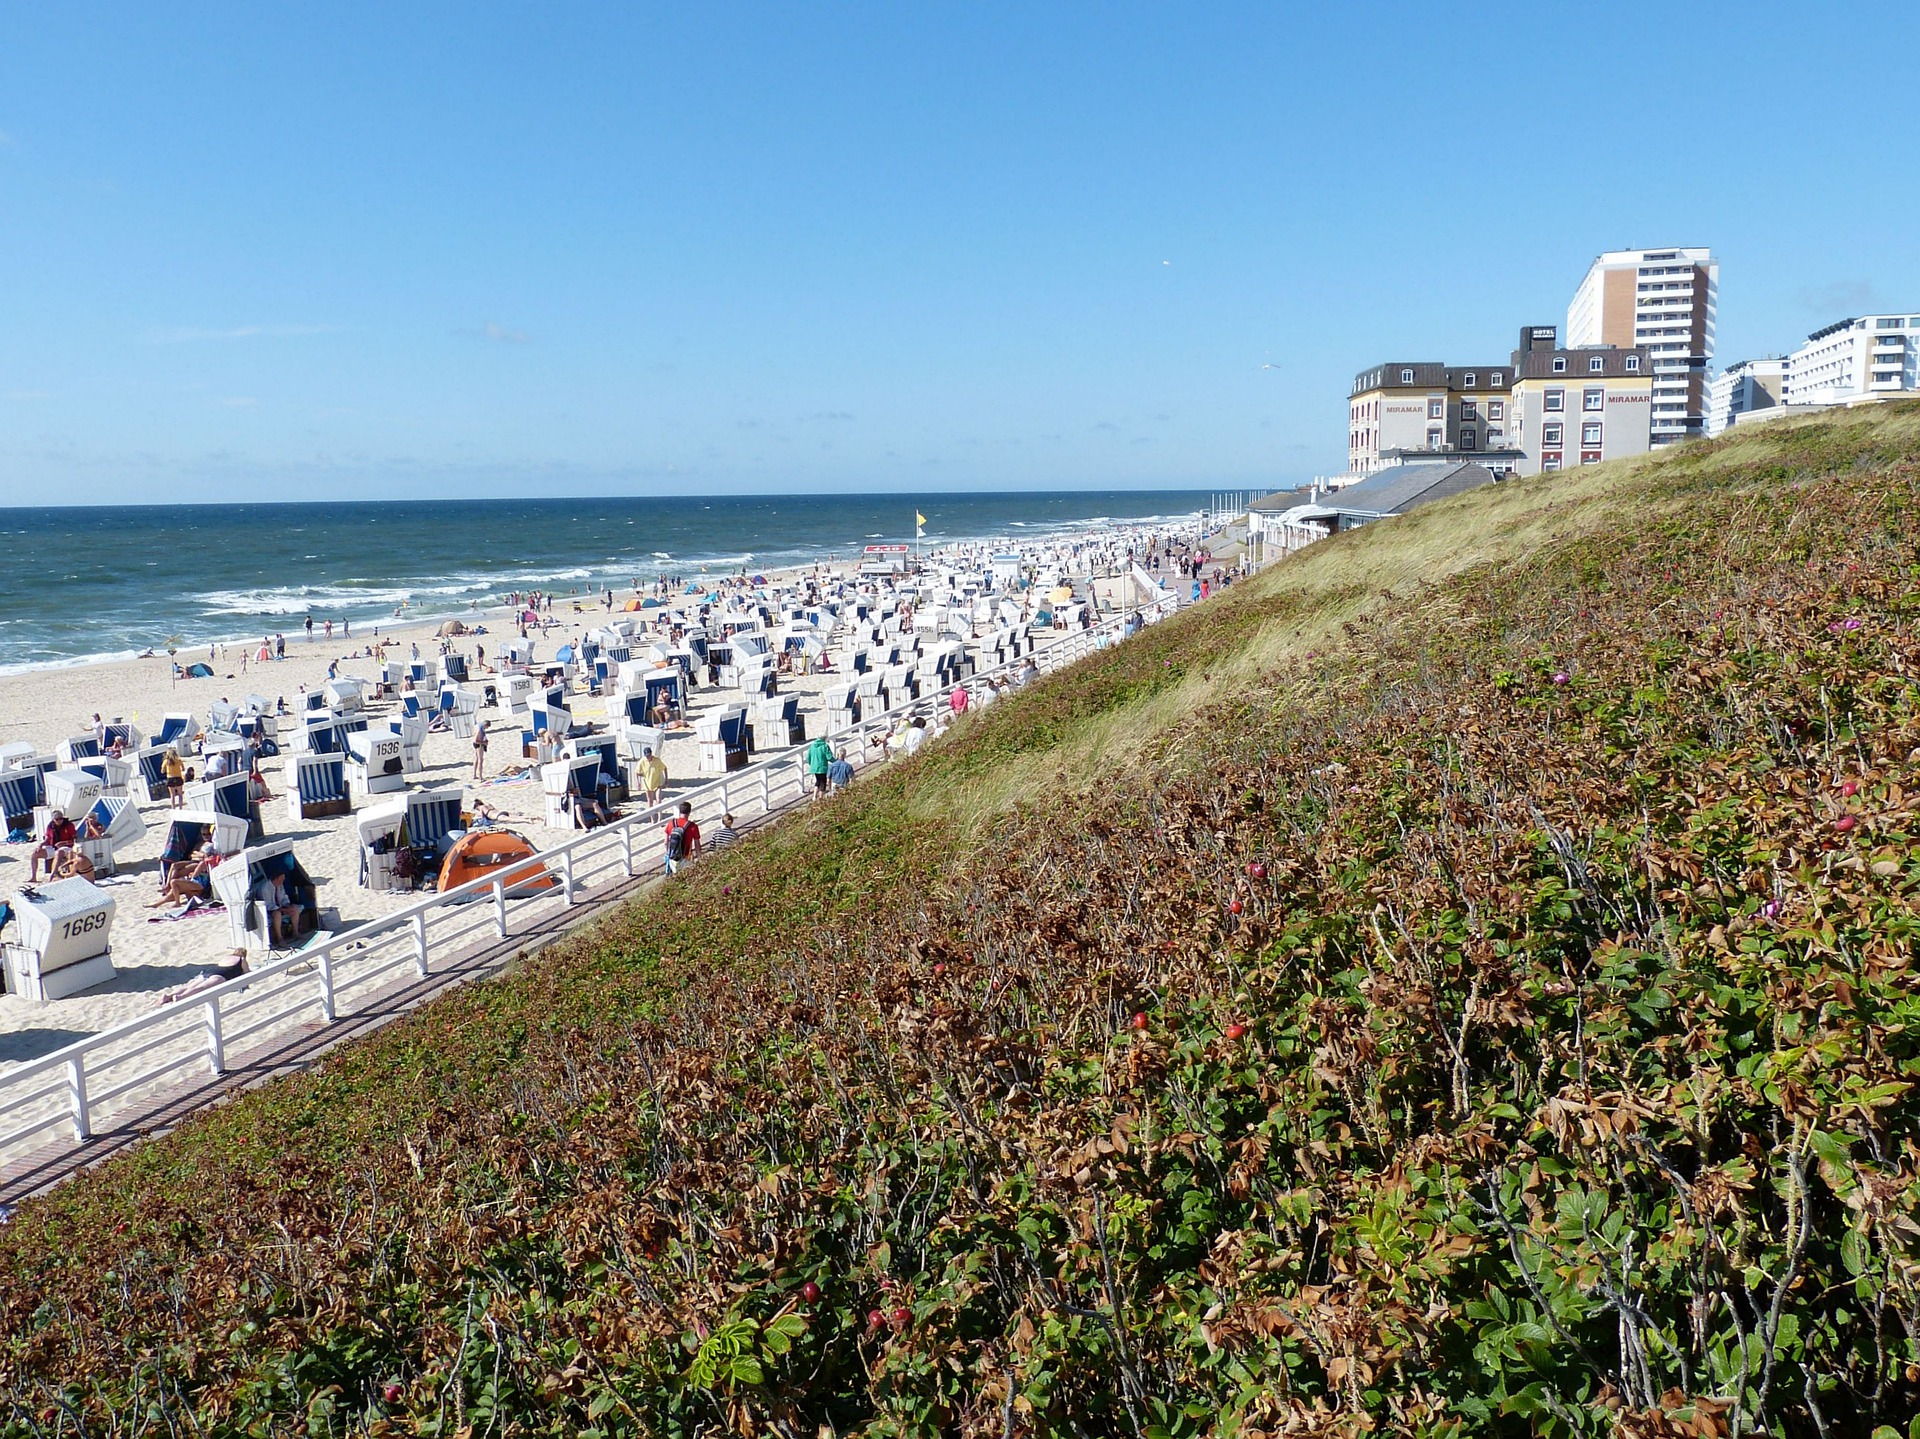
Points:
[(1744, 389), (1664, 301), (1577, 405), (1858, 359)]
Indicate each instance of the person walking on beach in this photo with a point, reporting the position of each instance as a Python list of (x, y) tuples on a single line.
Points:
[(819, 758), (174, 771), (652, 773), (683, 838), (309, 629), (839, 773), (480, 750)]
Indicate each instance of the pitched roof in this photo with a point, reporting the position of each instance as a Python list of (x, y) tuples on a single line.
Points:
[(1396, 490)]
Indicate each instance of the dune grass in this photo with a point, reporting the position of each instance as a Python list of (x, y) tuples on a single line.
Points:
[(1459, 982)]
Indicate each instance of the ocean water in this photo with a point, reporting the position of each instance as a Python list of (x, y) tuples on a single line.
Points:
[(109, 582)]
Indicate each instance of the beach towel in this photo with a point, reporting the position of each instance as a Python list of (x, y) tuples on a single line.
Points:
[(191, 909)]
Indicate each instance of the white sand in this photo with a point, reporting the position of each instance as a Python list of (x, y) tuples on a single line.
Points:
[(44, 707)]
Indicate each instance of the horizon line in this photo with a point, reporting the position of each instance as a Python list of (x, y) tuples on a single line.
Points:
[(721, 495)]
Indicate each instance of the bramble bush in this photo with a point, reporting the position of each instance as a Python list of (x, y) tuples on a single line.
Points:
[(1502, 1022)]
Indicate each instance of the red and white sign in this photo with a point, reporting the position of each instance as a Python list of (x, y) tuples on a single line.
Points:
[(886, 549)]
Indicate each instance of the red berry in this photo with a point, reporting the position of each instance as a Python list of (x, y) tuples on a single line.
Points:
[(1139, 1021), (393, 1393), (1844, 823), (1257, 870), (1234, 906), (875, 1319), (938, 970), (1849, 789), (810, 1292), (1236, 1031), (902, 1317)]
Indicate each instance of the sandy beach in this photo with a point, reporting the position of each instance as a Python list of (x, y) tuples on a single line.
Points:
[(45, 706)]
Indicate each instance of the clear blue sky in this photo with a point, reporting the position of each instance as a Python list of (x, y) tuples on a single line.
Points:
[(361, 250)]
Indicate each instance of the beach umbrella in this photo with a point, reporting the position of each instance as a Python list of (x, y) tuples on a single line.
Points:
[(649, 603), (1061, 594), (453, 627), (564, 654)]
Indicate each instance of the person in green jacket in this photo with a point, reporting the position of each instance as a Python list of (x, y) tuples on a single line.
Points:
[(819, 758)]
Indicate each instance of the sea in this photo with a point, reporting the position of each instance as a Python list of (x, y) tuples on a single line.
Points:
[(111, 582)]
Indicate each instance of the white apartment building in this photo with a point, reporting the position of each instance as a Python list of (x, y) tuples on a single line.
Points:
[(1744, 389), (1858, 359), (1665, 302)]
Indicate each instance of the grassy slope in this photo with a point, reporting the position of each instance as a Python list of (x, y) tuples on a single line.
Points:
[(1573, 1093)]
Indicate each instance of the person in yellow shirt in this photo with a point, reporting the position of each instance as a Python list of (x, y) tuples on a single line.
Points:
[(652, 773), (174, 770)]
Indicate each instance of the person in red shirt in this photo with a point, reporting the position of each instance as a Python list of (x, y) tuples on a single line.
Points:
[(57, 840), (683, 838)]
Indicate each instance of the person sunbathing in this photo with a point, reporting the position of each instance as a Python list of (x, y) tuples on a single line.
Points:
[(201, 862), (177, 891), (72, 864)]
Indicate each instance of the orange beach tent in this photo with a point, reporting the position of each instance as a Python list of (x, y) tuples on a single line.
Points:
[(495, 854)]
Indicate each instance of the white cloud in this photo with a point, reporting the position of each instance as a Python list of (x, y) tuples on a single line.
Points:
[(188, 335), (501, 335)]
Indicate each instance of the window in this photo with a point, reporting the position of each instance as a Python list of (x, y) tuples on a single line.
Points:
[(1494, 379), (1555, 400), (1559, 364), (1469, 410), (1593, 399), (1596, 364), (1550, 435), (1436, 409), (1496, 410), (1468, 382), (1632, 363), (1549, 462), (1886, 324), (1589, 457), (1433, 439), (1590, 434), (1406, 377), (1468, 439)]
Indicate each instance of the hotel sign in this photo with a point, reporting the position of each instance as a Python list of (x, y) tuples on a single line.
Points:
[(886, 549)]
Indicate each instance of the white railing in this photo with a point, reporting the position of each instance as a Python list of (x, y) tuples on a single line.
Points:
[(78, 1084)]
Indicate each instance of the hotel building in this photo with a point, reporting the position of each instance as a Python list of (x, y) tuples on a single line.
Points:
[(1744, 389), (1871, 357), (1577, 405), (1665, 302), (1417, 409)]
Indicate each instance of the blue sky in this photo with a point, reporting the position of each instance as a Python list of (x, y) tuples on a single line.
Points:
[(360, 250)]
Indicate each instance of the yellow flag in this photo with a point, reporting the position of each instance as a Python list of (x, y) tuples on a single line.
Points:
[(918, 518)]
